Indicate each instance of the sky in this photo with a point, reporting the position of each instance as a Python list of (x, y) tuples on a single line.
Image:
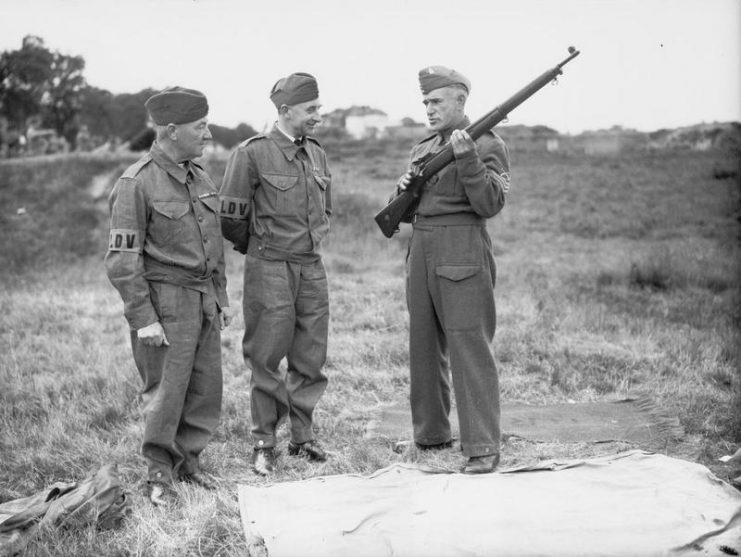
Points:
[(643, 64)]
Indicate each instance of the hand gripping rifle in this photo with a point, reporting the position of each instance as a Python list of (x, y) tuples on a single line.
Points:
[(403, 205)]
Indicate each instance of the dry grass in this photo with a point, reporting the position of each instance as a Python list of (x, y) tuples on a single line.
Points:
[(615, 277)]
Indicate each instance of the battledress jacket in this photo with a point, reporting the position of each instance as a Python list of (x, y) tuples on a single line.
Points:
[(276, 199), (165, 227), (474, 184)]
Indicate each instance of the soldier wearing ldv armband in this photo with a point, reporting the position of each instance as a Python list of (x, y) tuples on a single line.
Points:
[(165, 257), (276, 202)]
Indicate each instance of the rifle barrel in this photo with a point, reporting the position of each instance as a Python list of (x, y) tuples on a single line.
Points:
[(389, 217), (493, 117)]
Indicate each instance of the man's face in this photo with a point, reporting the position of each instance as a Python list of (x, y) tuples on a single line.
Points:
[(303, 118), (192, 138), (444, 108)]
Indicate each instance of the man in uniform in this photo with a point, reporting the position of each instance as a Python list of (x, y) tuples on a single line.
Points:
[(450, 279), (276, 203), (166, 259)]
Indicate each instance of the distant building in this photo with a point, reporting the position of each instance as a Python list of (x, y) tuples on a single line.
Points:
[(363, 122), (334, 119)]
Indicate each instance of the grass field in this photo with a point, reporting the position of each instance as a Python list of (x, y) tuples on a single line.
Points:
[(616, 277)]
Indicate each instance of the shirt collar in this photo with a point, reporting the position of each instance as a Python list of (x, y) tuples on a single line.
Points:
[(168, 165), (281, 130), (284, 141)]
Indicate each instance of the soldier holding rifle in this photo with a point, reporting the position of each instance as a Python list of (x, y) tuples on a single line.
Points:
[(451, 275)]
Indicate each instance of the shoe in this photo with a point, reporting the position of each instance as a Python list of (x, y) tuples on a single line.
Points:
[(481, 464), (310, 449), (435, 447), (199, 479), (263, 461), (161, 494)]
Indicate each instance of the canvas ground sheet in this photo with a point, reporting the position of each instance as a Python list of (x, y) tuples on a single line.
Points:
[(629, 504), (635, 420)]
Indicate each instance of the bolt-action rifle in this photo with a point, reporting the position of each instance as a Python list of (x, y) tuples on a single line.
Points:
[(401, 208)]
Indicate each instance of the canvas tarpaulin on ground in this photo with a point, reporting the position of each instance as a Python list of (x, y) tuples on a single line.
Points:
[(636, 420), (629, 504)]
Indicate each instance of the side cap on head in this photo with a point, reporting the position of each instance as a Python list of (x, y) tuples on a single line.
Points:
[(176, 105), (434, 77), (294, 89)]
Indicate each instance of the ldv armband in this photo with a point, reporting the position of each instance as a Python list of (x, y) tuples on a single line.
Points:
[(124, 240), (234, 208)]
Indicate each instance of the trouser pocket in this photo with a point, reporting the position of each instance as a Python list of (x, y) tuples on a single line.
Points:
[(461, 293)]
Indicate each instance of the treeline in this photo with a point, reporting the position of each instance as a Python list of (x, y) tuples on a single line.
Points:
[(44, 94)]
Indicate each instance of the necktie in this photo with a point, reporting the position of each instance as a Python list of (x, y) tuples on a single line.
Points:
[(188, 173)]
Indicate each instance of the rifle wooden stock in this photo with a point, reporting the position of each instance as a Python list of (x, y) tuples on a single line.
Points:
[(402, 206)]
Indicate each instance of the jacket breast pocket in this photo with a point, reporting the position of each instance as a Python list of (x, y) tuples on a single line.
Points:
[(461, 290), (207, 213), (169, 222), (280, 192), (212, 203), (171, 209)]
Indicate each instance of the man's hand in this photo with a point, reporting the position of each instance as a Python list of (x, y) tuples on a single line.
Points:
[(462, 143), (152, 335), (403, 182), (225, 317)]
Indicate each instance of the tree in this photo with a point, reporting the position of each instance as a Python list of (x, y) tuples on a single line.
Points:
[(129, 115), (245, 131), (228, 137), (96, 112), (62, 99), (24, 75), (123, 116), (34, 80)]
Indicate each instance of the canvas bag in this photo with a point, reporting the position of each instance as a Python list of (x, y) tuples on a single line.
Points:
[(100, 500)]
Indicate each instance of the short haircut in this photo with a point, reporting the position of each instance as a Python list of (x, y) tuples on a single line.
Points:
[(461, 89)]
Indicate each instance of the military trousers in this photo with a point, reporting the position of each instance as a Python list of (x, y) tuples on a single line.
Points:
[(452, 318), (182, 383), (286, 315)]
